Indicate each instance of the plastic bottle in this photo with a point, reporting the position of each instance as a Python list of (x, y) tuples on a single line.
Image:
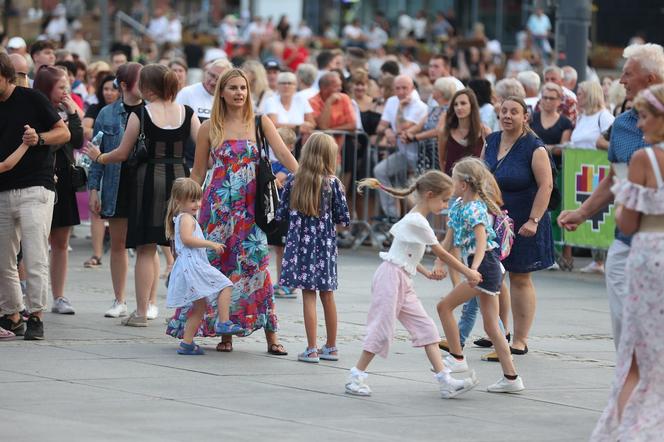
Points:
[(85, 160)]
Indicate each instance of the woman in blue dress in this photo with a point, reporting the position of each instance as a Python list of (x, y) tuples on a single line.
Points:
[(521, 165)]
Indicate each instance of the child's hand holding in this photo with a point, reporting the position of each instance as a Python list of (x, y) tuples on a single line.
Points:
[(439, 269), (218, 247), (474, 277)]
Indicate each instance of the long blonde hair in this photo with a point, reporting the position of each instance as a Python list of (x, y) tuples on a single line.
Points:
[(183, 191), (317, 162), (220, 109), (260, 83), (434, 181), (473, 172)]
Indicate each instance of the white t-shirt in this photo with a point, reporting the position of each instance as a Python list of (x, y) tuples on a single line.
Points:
[(295, 115), (307, 93), (414, 112), (352, 32), (411, 236), (589, 127), (197, 98)]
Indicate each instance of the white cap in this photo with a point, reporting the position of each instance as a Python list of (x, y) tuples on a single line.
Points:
[(16, 43)]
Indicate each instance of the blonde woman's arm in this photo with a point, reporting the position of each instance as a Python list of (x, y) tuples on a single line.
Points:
[(280, 150), (202, 153)]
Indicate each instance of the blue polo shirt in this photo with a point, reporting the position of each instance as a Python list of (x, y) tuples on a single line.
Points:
[(626, 139)]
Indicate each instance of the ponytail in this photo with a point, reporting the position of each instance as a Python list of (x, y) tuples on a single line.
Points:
[(491, 205), (160, 80), (171, 85), (373, 183), (433, 181)]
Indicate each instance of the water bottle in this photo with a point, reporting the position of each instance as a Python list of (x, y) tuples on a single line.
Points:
[(85, 160)]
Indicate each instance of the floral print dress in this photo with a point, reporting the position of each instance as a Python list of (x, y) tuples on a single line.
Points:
[(227, 217), (642, 324), (310, 257)]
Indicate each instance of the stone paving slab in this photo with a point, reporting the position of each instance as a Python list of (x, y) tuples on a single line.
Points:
[(92, 379)]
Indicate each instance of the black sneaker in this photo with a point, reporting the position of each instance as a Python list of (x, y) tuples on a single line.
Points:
[(35, 330), (18, 327)]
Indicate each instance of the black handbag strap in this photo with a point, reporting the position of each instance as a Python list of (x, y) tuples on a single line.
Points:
[(141, 134), (260, 139)]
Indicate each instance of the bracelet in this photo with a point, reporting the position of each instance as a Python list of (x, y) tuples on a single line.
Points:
[(98, 156)]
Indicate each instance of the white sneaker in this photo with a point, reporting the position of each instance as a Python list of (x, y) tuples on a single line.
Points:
[(554, 267), (593, 267), (62, 306), (505, 385), (455, 365), (153, 312), (117, 310), (356, 385), (451, 387)]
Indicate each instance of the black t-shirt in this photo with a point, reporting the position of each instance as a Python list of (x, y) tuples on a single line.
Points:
[(193, 53), (93, 111), (553, 134), (26, 106)]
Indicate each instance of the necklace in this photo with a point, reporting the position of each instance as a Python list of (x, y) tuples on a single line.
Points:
[(504, 143)]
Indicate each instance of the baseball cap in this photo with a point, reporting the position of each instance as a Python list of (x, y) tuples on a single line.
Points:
[(271, 64), (16, 43)]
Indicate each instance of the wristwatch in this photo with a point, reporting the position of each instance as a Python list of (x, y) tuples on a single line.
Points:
[(535, 219), (40, 141)]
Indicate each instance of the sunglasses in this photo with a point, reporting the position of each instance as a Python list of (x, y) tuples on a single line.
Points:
[(545, 98)]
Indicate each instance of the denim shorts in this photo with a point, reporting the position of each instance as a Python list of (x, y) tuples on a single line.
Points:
[(492, 272)]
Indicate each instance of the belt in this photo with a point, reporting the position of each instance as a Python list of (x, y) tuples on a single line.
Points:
[(652, 223), (165, 161)]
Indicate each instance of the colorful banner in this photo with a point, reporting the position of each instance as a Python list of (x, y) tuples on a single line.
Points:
[(583, 169)]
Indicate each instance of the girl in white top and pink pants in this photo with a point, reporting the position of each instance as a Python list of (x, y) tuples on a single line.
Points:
[(393, 296)]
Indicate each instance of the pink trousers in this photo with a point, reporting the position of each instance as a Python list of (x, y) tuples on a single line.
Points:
[(393, 298)]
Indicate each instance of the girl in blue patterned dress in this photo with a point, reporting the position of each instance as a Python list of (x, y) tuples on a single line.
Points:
[(473, 234), (193, 281), (313, 203)]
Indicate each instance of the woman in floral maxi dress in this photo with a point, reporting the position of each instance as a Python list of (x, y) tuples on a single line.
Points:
[(635, 411), (227, 211)]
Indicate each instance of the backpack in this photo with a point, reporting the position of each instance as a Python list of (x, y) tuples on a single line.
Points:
[(503, 225)]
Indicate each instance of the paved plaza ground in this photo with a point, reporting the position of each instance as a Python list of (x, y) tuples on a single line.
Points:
[(92, 379)]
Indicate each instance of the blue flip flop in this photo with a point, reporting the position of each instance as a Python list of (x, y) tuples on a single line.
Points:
[(190, 349)]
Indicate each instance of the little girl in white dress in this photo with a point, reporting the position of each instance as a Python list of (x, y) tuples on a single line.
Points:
[(193, 280)]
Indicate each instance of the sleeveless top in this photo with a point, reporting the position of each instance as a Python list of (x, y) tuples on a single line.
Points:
[(456, 151)]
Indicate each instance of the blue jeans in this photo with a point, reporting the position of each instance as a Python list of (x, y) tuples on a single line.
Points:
[(468, 317)]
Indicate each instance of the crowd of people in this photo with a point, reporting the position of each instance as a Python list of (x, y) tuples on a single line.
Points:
[(170, 160)]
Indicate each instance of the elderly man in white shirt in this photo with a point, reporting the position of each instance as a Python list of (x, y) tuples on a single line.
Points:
[(403, 110)]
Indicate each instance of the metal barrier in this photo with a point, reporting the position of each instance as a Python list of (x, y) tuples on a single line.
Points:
[(362, 227), (359, 223)]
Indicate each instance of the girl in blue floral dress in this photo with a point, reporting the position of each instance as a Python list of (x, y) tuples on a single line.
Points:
[(473, 234), (313, 203)]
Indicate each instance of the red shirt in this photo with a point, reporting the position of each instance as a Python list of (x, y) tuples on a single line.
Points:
[(300, 54)]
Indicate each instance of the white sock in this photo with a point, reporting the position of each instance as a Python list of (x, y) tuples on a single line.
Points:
[(444, 376), (357, 372)]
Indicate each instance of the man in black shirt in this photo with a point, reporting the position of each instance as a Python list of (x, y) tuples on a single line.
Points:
[(26, 199)]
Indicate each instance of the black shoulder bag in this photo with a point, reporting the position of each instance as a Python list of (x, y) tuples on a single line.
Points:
[(139, 153), (267, 196)]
